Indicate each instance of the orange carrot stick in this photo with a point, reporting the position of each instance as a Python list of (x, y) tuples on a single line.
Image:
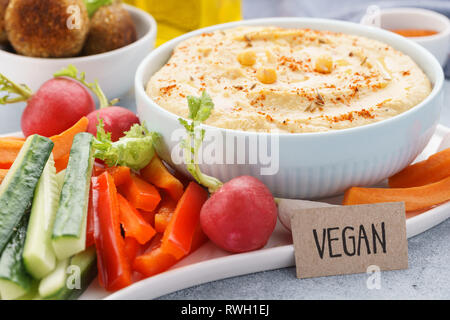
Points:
[(177, 239), (140, 194), (61, 163), (157, 174), (3, 173), (415, 198), (9, 148), (435, 168), (16, 138), (63, 141)]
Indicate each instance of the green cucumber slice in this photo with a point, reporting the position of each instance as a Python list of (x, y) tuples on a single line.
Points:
[(32, 293), (87, 262), (69, 230), (14, 279), (38, 255), (17, 189), (60, 178), (55, 281), (80, 273)]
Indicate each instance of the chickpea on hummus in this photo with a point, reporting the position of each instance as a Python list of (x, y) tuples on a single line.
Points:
[(290, 80)]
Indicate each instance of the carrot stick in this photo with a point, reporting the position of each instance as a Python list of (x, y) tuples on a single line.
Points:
[(61, 163), (133, 223), (3, 173), (9, 148), (177, 239), (140, 194), (415, 198), (435, 168), (157, 174), (63, 141), (16, 138)]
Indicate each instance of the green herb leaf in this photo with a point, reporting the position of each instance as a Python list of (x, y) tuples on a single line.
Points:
[(93, 5), (199, 110), (206, 106), (21, 91), (134, 150)]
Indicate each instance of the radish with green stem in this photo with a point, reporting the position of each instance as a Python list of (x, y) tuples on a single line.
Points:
[(116, 119), (241, 214), (55, 107)]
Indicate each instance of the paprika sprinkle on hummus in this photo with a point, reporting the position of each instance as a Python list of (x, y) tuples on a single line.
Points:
[(291, 80)]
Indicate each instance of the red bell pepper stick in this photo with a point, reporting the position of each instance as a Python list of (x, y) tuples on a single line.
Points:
[(90, 228), (133, 223), (164, 213), (148, 216), (155, 260), (120, 174), (141, 194), (132, 248), (177, 239), (113, 265), (156, 173)]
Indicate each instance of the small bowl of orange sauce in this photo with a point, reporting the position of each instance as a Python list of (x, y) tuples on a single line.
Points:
[(428, 28), (413, 33)]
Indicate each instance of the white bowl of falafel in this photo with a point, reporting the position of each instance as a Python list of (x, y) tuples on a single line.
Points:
[(105, 39)]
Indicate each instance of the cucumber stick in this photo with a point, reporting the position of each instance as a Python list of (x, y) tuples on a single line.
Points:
[(60, 178), (52, 284), (69, 229), (17, 189), (38, 255), (86, 261), (78, 274), (14, 279)]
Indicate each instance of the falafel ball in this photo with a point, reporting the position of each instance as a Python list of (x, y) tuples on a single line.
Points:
[(3, 6), (111, 28), (47, 28)]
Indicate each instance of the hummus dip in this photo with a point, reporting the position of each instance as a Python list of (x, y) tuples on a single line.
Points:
[(289, 80)]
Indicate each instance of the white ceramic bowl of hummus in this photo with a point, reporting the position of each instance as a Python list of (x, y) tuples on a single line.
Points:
[(306, 163)]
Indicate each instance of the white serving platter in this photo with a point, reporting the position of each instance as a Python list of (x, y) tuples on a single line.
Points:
[(210, 263)]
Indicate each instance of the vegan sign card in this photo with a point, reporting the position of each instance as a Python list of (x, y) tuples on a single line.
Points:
[(349, 239)]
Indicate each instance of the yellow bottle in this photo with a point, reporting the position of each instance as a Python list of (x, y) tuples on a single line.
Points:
[(176, 17)]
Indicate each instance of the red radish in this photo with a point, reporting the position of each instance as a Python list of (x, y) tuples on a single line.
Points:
[(55, 107), (241, 216), (116, 120)]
